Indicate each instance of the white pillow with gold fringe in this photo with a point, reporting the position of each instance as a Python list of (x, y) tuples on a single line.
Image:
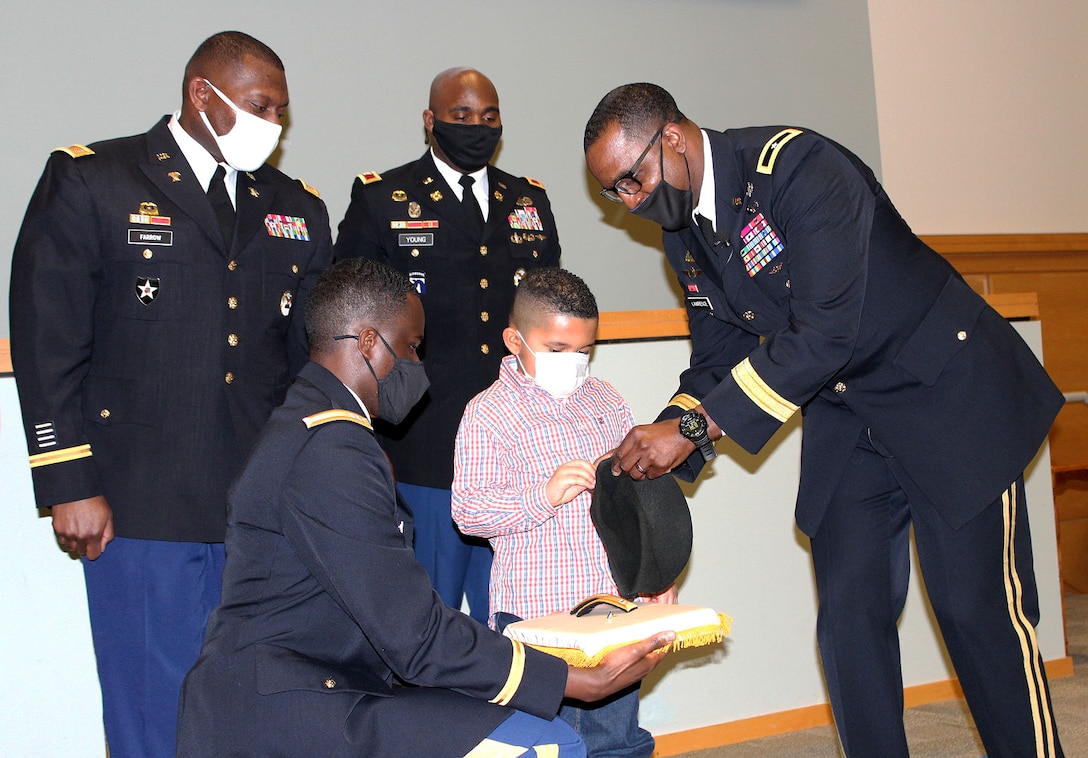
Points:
[(602, 623)]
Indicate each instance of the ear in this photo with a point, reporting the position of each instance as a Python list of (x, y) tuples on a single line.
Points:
[(428, 119), (198, 93), (673, 136), (368, 341), (512, 341)]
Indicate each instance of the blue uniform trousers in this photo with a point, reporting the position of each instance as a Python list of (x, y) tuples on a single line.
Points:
[(981, 586), (149, 603)]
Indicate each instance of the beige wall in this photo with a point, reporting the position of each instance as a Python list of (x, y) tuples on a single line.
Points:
[(981, 108)]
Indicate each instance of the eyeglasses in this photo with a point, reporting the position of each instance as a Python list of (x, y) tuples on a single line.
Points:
[(346, 337), (628, 184)]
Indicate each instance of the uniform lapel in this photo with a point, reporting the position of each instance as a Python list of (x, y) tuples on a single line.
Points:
[(253, 198), (500, 200), (435, 194), (168, 170)]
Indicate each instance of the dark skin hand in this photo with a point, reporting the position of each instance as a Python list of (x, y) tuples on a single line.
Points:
[(620, 668), (651, 450), (84, 526)]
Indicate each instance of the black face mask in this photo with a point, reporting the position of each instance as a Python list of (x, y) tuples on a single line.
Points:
[(468, 146), (401, 388), (666, 205)]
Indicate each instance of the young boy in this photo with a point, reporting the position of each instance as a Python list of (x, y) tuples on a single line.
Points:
[(523, 475)]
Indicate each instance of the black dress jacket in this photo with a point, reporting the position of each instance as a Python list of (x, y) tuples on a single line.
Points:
[(325, 610), (817, 297), (147, 350), (410, 219)]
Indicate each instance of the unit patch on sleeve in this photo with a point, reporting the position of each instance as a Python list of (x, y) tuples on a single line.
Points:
[(289, 227)]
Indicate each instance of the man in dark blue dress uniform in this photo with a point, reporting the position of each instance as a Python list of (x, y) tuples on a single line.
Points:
[(465, 251), (155, 323), (806, 291), (326, 613)]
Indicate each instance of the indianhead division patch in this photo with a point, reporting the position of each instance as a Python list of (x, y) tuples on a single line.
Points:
[(147, 289)]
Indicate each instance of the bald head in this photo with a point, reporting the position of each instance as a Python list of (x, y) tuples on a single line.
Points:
[(465, 106), (456, 80)]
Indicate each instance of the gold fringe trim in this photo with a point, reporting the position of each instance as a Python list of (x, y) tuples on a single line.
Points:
[(698, 636)]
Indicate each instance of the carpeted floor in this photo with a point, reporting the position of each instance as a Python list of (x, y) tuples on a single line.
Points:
[(945, 730)]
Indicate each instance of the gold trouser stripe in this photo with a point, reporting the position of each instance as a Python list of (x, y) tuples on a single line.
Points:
[(336, 414), (517, 671), (490, 748), (760, 393), (60, 456), (684, 401), (1025, 632), (546, 751)]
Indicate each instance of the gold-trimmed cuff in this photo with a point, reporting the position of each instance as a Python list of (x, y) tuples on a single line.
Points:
[(760, 393), (60, 456), (684, 401), (336, 414), (517, 671)]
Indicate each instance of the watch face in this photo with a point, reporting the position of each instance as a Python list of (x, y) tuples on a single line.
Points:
[(692, 425)]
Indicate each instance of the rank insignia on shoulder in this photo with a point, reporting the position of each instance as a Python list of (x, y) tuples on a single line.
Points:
[(76, 151), (370, 176), (309, 188), (535, 183), (336, 414), (774, 146)]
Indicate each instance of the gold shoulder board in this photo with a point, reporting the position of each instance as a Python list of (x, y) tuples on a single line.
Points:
[(770, 151), (309, 188), (76, 151), (370, 176), (336, 414), (535, 183)]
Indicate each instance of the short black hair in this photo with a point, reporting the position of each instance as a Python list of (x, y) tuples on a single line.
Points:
[(638, 108), (353, 290), (547, 292), (228, 48)]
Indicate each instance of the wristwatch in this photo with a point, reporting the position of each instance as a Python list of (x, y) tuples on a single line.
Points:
[(693, 427)]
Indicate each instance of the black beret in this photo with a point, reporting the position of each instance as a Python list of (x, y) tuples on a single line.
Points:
[(645, 527)]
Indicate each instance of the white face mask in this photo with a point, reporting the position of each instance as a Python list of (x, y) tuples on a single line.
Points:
[(558, 374), (249, 142)]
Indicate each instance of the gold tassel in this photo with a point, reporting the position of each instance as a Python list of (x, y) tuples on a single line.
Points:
[(695, 637)]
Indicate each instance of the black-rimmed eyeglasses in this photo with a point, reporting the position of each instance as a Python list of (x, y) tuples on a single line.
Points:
[(628, 184)]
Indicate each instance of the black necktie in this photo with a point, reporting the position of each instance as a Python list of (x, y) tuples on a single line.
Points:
[(471, 205), (707, 228), (224, 209)]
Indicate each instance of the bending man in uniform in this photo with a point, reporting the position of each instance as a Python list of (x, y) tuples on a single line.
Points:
[(806, 290)]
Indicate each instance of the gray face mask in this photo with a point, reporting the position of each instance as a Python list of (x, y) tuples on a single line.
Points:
[(401, 388), (666, 205)]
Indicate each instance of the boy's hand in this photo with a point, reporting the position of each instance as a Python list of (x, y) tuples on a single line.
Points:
[(669, 596), (569, 481)]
